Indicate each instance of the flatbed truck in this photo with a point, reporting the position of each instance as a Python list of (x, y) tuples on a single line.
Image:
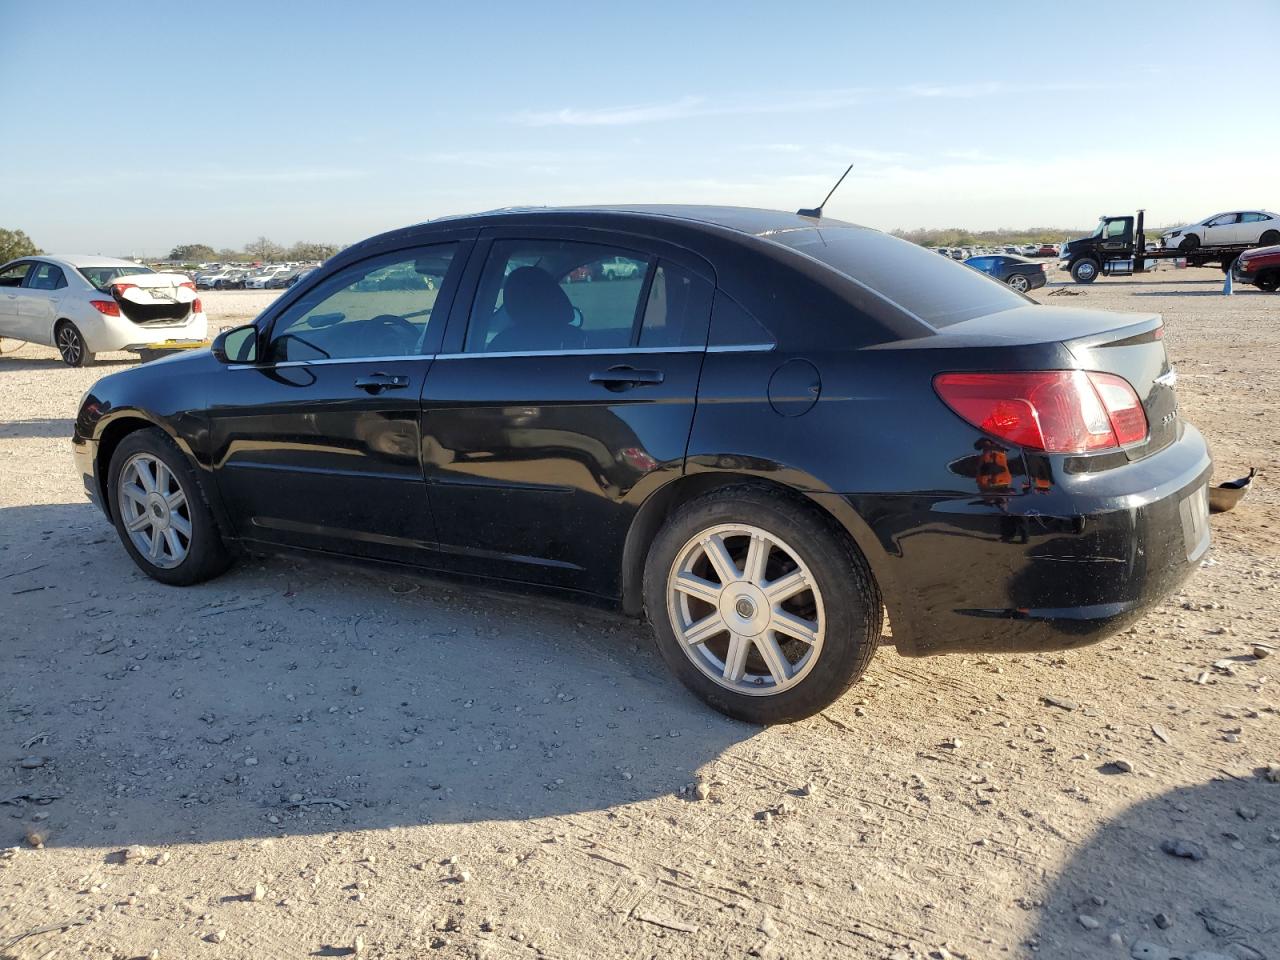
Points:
[(1118, 248)]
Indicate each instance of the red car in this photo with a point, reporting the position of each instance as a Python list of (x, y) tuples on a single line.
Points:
[(1261, 267)]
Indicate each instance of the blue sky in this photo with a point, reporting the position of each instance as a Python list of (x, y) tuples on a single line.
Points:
[(136, 126)]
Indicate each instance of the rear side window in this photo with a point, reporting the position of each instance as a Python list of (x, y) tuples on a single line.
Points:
[(938, 291), (46, 276), (733, 326), (677, 308)]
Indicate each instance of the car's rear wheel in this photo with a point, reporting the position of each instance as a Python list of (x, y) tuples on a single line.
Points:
[(160, 512), (71, 346), (1084, 271), (1227, 264), (1269, 238), (1269, 280), (760, 606), (1019, 282)]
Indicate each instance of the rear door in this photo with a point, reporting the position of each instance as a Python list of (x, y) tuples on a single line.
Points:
[(317, 445), (38, 301), (564, 395)]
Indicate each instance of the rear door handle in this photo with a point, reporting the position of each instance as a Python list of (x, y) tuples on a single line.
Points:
[(377, 382), (624, 377)]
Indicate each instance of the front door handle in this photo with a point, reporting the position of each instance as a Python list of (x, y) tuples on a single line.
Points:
[(377, 382), (624, 377)]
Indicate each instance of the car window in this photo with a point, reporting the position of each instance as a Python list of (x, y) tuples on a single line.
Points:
[(46, 276), (103, 277), (1225, 219), (379, 307), (1115, 229), (13, 276), (552, 295), (677, 308), (1253, 217), (733, 326)]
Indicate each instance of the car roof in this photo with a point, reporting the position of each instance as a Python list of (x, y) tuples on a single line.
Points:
[(84, 260)]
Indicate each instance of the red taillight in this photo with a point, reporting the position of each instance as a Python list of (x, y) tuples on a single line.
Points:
[(197, 306), (188, 284), (119, 288), (107, 307), (1058, 411)]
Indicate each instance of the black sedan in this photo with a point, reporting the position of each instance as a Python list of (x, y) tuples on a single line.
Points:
[(1018, 272), (763, 433)]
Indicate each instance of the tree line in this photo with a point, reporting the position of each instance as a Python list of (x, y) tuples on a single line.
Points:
[(959, 237), (259, 249)]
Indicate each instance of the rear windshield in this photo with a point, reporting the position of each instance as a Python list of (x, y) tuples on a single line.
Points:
[(936, 289), (103, 277)]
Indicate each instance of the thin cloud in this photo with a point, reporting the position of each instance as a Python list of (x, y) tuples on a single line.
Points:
[(689, 107)]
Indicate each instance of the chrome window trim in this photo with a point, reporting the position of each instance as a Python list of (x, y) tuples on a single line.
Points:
[(603, 351)]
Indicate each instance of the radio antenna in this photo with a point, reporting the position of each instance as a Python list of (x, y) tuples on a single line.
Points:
[(816, 212)]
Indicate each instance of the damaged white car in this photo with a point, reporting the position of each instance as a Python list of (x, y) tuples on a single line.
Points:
[(90, 305)]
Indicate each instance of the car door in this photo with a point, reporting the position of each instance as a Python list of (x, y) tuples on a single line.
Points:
[(10, 287), (1221, 229), (317, 445), (38, 299), (561, 399), (1252, 226)]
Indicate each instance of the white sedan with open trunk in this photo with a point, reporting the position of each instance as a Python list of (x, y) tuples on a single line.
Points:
[(88, 305)]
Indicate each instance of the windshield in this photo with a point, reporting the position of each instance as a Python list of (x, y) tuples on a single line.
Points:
[(103, 277), (935, 289)]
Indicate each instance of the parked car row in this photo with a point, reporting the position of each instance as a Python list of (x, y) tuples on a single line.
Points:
[(1010, 249), (278, 276)]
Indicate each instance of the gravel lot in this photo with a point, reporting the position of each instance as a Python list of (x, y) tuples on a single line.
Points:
[(301, 759)]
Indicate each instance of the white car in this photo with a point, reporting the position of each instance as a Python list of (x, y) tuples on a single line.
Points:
[(89, 305), (259, 281), (1252, 227), (619, 268)]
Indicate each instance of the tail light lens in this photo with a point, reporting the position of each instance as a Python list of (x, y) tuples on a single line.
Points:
[(119, 288), (1057, 411), (107, 308), (188, 284), (197, 306)]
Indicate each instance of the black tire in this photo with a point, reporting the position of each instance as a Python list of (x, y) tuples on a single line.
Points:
[(71, 346), (1189, 243), (207, 555), (1268, 280), (1085, 270), (1019, 282), (852, 606), (1270, 238)]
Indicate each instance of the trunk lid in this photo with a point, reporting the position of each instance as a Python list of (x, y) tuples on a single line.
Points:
[(1125, 344), (152, 299)]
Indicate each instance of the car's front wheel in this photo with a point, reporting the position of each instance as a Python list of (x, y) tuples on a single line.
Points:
[(160, 512), (1019, 283), (1189, 242), (71, 346), (1269, 280), (1084, 271), (760, 606)]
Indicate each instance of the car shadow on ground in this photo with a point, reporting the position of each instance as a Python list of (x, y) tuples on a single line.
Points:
[(305, 697), (45, 427), (9, 362), (1124, 882)]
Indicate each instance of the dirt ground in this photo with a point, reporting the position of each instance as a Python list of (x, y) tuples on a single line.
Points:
[(301, 759)]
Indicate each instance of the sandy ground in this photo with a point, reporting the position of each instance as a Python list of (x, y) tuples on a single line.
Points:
[(306, 760)]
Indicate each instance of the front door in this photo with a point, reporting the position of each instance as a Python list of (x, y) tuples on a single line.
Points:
[(10, 288), (568, 396), (38, 301), (320, 447), (1222, 230)]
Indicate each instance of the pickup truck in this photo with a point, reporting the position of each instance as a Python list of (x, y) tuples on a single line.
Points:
[(1259, 266)]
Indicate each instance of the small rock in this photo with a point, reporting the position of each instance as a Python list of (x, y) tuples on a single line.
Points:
[(258, 893), (1246, 813), (161, 858), (1184, 848), (804, 790), (1146, 950), (1115, 939), (217, 936), (8, 853), (702, 791), (37, 838), (1124, 766), (1163, 921), (32, 763), (1061, 704), (768, 927), (250, 761), (359, 946), (133, 854), (1261, 653), (1272, 772), (1088, 922)]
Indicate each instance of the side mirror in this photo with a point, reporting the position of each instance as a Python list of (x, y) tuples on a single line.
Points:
[(237, 345)]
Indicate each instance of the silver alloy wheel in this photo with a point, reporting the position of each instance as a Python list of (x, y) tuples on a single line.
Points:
[(746, 609), (154, 508), (70, 345), (1019, 283)]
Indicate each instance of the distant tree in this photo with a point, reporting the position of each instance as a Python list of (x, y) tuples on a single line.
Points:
[(192, 253), (264, 249), (14, 244), (303, 250), (227, 255)]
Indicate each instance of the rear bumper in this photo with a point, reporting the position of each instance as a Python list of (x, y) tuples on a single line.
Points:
[(1061, 567)]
